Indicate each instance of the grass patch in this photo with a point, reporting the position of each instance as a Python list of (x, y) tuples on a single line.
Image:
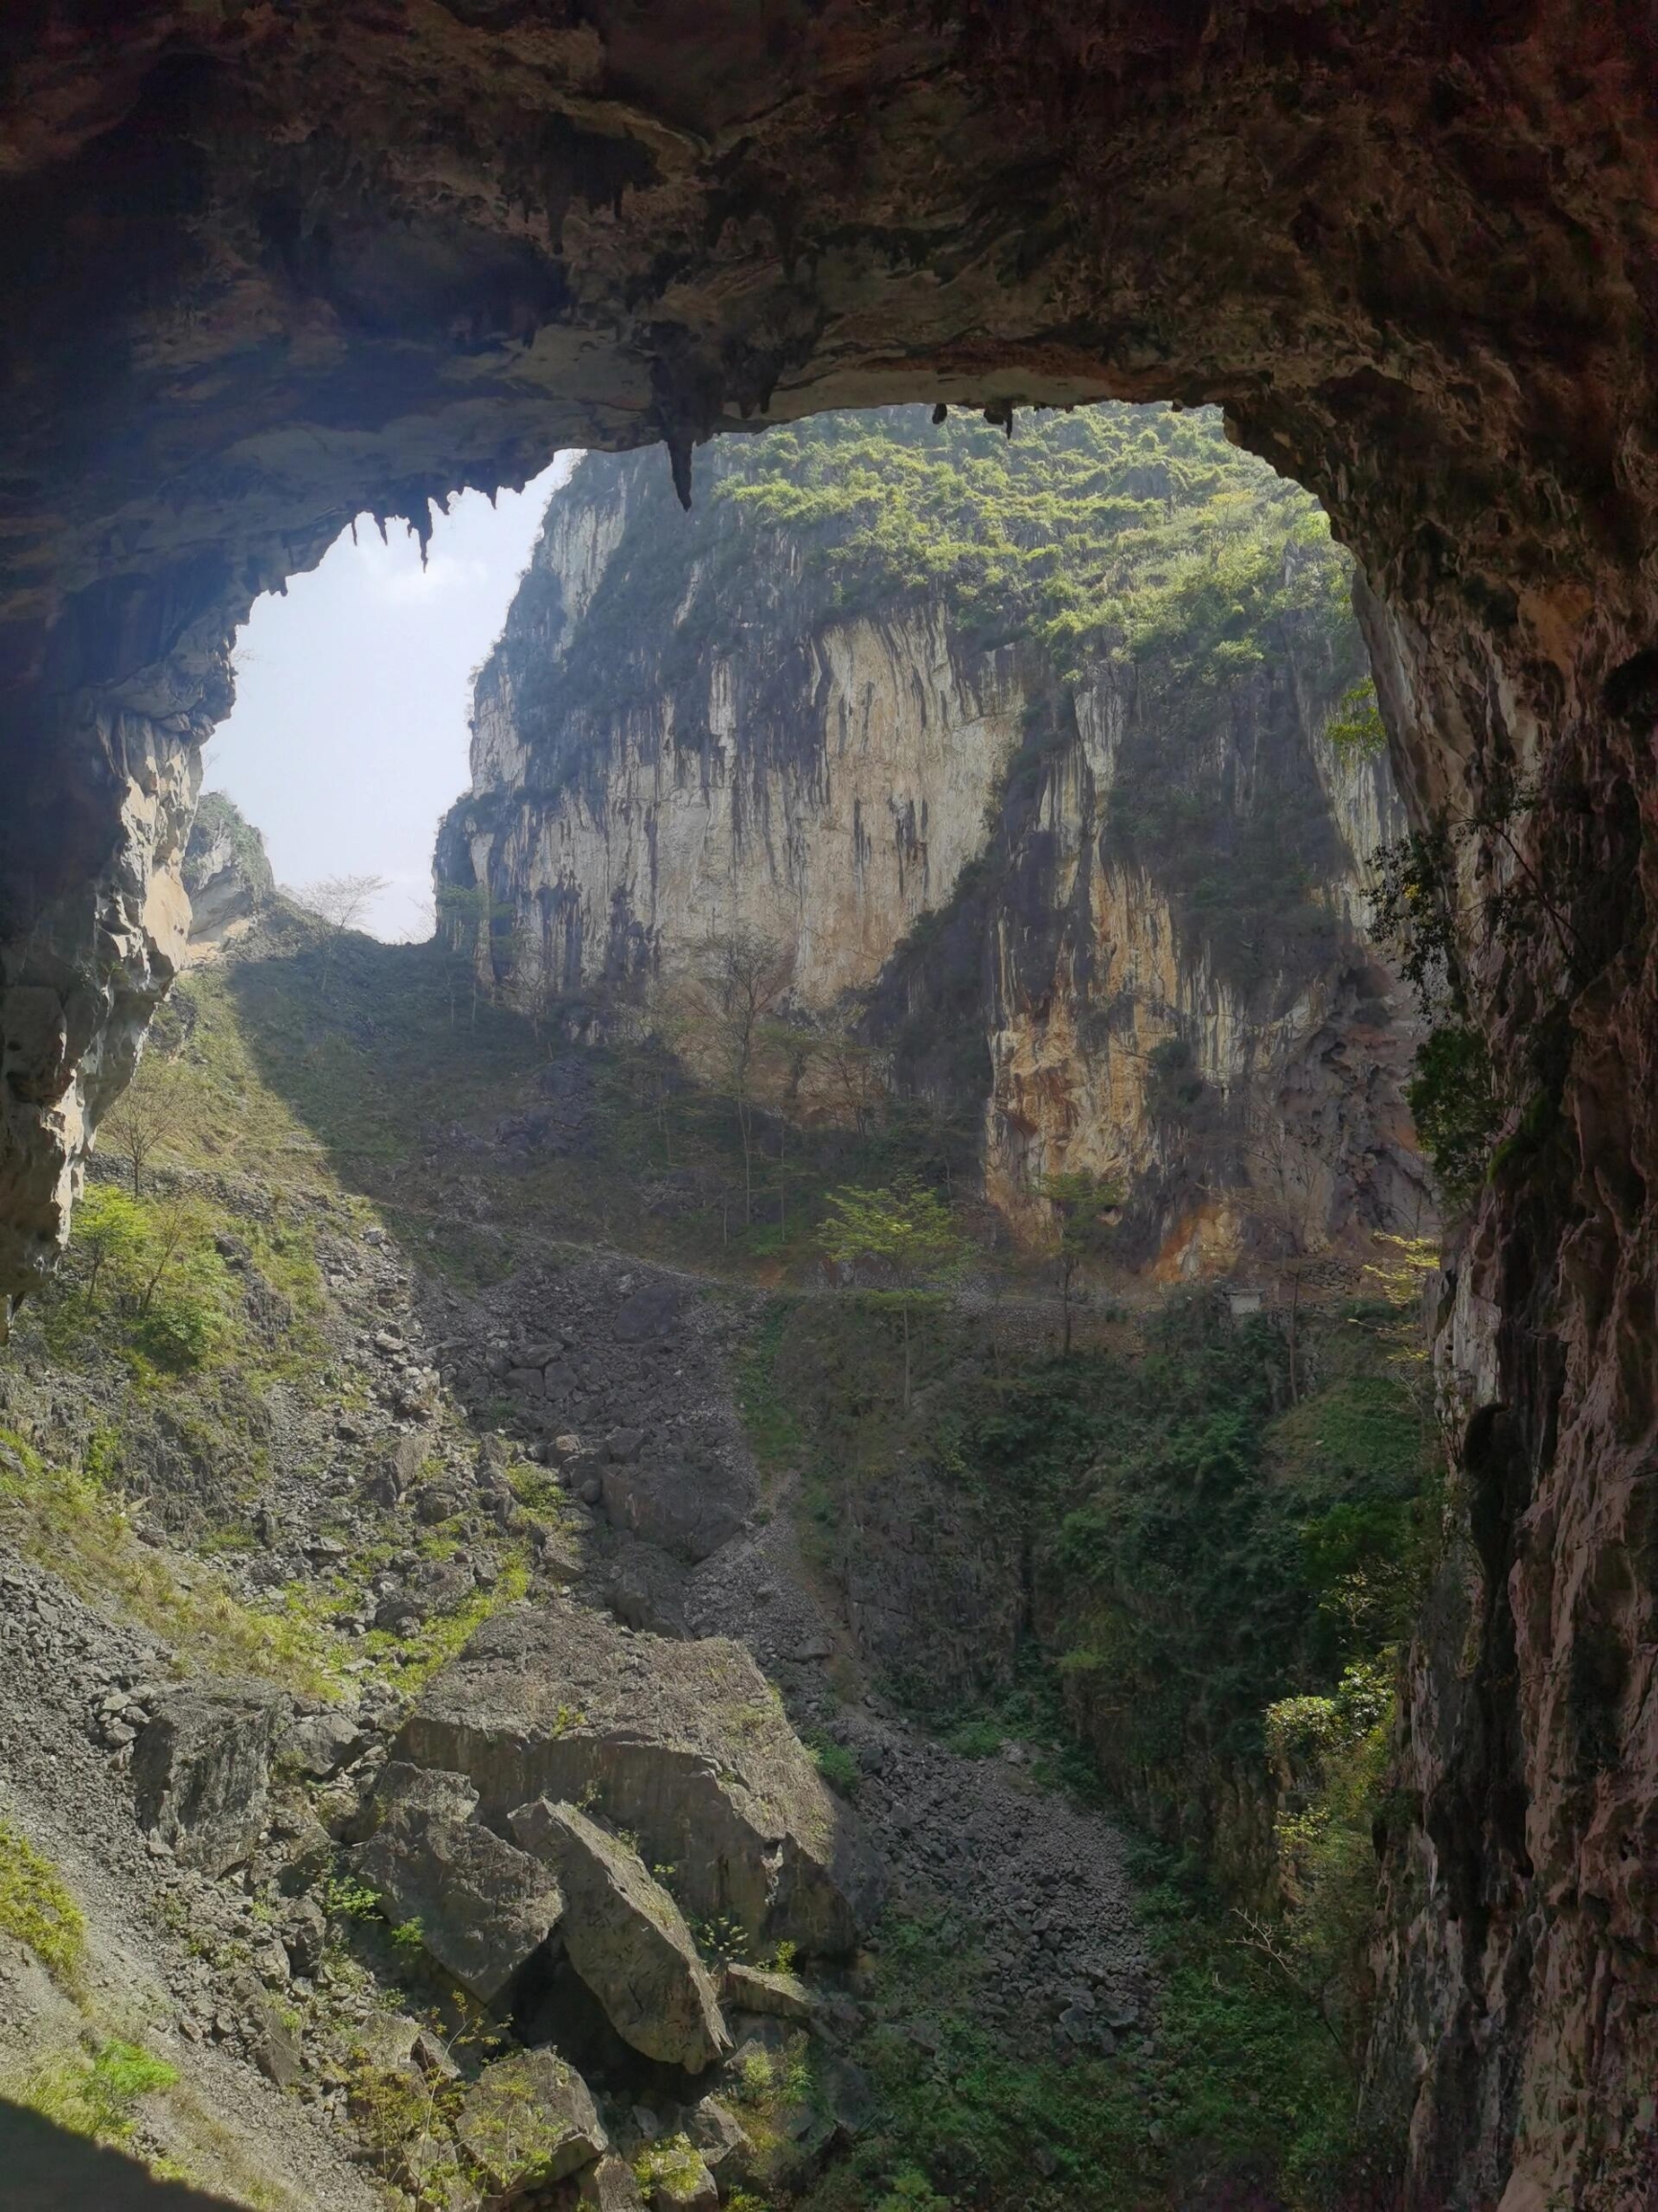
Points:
[(37, 1908), (70, 1524), (94, 2089)]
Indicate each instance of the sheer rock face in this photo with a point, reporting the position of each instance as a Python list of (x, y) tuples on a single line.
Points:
[(743, 743), (268, 267)]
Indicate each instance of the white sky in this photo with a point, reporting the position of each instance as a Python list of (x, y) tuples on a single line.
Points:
[(348, 736)]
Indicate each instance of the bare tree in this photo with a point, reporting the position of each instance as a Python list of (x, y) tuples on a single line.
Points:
[(340, 902), (177, 1221), (140, 1120), (853, 1077), (736, 987)]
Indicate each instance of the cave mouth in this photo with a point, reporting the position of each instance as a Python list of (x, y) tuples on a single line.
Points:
[(534, 1376), (273, 271)]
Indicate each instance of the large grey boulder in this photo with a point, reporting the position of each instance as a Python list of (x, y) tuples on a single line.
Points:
[(320, 1744), (529, 2120), (683, 1744), (201, 1770), (626, 1938), (484, 1906)]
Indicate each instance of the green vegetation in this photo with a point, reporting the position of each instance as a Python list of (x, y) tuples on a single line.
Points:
[(95, 2089), (835, 1763), (218, 820), (69, 1521), (1238, 2084), (1136, 531), (1357, 731), (1084, 1210), (1221, 1577), (904, 1231), (37, 1908)]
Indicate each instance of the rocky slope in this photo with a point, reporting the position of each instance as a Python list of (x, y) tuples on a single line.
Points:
[(1094, 881), (403, 1677)]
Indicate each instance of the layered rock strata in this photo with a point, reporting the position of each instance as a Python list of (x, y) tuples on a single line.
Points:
[(270, 268)]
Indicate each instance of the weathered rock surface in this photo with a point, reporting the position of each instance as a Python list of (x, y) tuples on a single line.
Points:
[(675, 1506), (201, 1770), (609, 2186), (626, 1938), (483, 1907), (529, 2120), (319, 1745), (684, 1744), (757, 1989)]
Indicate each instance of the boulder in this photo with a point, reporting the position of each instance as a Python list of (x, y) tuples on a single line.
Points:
[(753, 1988), (201, 1770), (649, 1315), (725, 2144), (646, 1589), (675, 2177), (438, 1501), (304, 1933), (484, 1906), (530, 2119), (321, 1743), (609, 2186), (275, 2047), (626, 1938), (684, 1744)]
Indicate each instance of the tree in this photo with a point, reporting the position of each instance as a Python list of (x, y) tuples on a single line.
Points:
[(739, 985), (854, 1077), (109, 1234), (466, 917), (175, 1225), (340, 902), (1083, 1206), (140, 1120), (908, 1230)]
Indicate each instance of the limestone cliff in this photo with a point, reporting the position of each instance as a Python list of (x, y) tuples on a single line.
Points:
[(227, 874), (1095, 878)]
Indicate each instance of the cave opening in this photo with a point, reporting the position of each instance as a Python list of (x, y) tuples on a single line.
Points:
[(277, 267)]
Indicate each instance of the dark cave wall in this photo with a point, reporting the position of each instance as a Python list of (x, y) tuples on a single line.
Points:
[(270, 266)]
